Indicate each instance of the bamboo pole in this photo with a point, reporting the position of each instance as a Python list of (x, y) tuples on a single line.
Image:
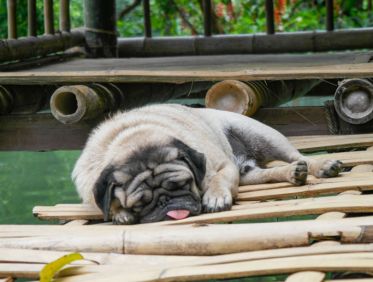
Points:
[(100, 28), (187, 240), (29, 47), (71, 104), (247, 98), (31, 18), (358, 262), (12, 18), (65, 15), (314, 41), (48, 17)]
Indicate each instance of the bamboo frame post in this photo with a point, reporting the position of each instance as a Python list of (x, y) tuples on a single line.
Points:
[(147, 18), (270, 17), (31, 18), (100, 25), (12, 19), (65, 15), (207, 17), (329, 15), (48, 17)]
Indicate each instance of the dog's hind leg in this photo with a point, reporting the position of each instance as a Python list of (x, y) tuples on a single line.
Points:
[(295, 173), (256, 141)]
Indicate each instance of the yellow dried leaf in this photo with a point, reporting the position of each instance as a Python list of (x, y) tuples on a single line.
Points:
[(48, 271)]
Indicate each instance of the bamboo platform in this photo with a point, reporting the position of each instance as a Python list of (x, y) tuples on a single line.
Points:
[(198, 68), (322, 231)]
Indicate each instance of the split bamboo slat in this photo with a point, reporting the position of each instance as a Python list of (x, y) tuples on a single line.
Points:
[(337, 236)]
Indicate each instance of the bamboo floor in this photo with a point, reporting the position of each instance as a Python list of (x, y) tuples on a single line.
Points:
[(322, 231)]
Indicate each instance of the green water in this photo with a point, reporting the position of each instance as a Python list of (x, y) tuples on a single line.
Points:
[(29, 179)]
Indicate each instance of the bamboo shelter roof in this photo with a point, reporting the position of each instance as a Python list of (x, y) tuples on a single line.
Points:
[(325, 226), (197, 68)]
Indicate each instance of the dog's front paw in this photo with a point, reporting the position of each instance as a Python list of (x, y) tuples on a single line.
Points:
[(329, 168), (216, 200), (298, 173), (122, 216)]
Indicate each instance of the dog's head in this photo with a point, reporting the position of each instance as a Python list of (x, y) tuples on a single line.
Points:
[(154, 183)]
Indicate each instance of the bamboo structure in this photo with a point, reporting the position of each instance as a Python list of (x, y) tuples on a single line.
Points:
[(246, 98), (74, 103)]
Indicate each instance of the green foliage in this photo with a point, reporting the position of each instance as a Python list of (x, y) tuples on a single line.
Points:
[(185, 17)]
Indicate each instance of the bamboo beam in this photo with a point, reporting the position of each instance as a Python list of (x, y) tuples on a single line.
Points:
[(314, 41), (186, 240), (29, 47), (31, 18), (48, 17), (65, 15), (12, 18)]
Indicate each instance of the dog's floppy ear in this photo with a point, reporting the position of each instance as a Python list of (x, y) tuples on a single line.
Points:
[(104, 190), (195, 160)]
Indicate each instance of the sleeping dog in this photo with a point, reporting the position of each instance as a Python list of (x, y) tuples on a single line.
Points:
[(165, 162)]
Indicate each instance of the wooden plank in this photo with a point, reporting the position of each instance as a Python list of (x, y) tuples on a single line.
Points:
[(346, 203), (194, 68), (197, 239)]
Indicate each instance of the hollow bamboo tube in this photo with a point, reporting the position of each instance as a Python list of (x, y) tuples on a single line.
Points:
[(12, 19), (65, 15), (70, 104), (23, 100), (31, 18), (187, 240), (48, 17), (353, 100), (246, 97)]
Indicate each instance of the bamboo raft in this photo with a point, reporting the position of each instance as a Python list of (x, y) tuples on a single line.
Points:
[(322, 231)]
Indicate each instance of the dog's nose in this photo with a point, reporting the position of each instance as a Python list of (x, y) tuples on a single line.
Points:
[(163, 200)]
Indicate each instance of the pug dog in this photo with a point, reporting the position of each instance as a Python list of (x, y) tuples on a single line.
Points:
[(164, 162)]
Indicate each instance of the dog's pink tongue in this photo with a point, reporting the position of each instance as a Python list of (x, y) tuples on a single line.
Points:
[(178, 214)]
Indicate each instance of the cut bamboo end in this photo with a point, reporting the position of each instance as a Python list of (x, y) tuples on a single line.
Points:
[(234, 96), (353, 100), (71, 104), (362, 168)]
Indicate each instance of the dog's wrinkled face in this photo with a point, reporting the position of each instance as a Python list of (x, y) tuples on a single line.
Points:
[(154, 184)]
